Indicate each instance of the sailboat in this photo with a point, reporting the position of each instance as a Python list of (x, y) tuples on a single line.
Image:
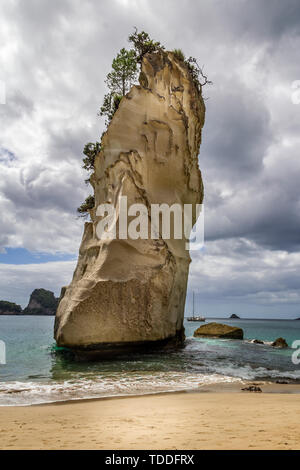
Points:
[(193, 318)]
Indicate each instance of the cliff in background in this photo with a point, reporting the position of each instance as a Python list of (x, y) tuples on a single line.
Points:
[(131, 293), (9, 308), (41, 302)]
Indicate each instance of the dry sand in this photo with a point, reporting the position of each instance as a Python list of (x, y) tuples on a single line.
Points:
[(208, 420)]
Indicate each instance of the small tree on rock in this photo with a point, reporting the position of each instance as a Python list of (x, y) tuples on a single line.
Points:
[(124, 72), (143, 44), (90, 151), (196, 73), (119, 82), (87, 205)]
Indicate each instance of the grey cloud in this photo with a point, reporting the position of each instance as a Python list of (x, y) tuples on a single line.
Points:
[(264, 209), (17, 107), (44, 188), (237, 132), (226, 271), (270, 21), (60, 53)]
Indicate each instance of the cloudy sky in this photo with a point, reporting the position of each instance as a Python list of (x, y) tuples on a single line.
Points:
[(54, 57)]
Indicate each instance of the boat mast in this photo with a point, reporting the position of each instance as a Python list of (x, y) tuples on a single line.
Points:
[(193, 304)]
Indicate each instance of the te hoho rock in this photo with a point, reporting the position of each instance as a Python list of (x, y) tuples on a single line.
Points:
[(130, 294)]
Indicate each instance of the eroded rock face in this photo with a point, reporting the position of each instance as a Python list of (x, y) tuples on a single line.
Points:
[(127, 293)]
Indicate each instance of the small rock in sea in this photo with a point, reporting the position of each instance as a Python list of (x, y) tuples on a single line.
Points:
[(280, 343), (258, 341), (282, 382), (252, 388)]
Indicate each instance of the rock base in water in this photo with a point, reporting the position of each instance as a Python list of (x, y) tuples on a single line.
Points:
[(108, 350)]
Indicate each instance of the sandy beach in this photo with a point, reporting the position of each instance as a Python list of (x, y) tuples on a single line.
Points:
[(208, 420)]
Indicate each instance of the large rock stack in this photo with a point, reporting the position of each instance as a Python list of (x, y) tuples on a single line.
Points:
[(131, 293)]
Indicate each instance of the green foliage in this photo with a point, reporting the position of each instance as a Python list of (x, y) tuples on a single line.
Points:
[(90, 151), (110, 105), (45, 298), (124, 72), (45, 303), (9, 307), (143, 44), (87, 205), (119, 81), (143, 79), (179, 54), (39, 311), (196, 73)]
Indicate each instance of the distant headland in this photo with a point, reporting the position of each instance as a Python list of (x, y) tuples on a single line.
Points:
[(41, 302)]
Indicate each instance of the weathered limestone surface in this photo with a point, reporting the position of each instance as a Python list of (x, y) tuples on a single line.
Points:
[(132, 292)]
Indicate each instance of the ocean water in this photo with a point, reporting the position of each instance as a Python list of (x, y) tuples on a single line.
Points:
[(36, 373)]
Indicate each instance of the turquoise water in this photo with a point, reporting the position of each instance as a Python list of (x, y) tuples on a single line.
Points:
[(35, 373)]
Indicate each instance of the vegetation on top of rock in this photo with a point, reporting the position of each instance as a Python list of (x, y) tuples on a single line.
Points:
[(179, 54), (10, 307), (90, 151), (110, 105), (124, 72), (86, 206), (196, 73), (143, 44), (119, 80)]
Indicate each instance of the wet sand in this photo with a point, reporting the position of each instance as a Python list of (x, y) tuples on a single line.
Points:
[(210, 419)]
